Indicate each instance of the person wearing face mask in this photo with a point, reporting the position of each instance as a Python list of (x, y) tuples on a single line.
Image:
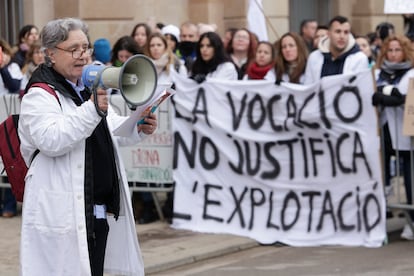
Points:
[(186, 49), (77, 214)]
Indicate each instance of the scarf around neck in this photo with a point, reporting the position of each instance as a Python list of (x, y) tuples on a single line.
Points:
[(256, 72), (392, 72), (161, 63)]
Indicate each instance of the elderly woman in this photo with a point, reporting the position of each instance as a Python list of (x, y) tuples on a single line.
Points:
[(77, 215)]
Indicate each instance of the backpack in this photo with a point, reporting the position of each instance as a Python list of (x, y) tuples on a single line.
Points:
[(13, 161)]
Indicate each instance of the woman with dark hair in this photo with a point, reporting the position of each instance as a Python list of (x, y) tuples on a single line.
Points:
[(291, 57), (27, 36), (242, 49), (140, 34), (124, 48), (212, 60)]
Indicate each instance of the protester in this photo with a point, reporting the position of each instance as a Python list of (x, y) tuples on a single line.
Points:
[(307, 32), (102, 51), (363, 43), (10, 81), (77, 208), (337, 53), (228, 34), (241, 49), (321, 32), (186, 49), (124, 48), (140, 34), (212, 60), (395, 62), (263, 62), (290, 63), (164, 59), (165, 62), (27, 36), (382, 31), (172, 34), (35, 56)]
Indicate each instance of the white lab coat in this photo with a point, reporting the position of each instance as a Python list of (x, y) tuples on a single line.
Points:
[(395, 115), (354, 63), (53, 237)]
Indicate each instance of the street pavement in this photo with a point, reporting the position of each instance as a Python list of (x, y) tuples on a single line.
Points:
[(164, 248)]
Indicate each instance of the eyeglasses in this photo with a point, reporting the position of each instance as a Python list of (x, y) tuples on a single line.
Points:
[(77, 53)]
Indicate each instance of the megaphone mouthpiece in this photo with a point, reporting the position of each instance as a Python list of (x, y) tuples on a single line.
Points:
[(129, 79)]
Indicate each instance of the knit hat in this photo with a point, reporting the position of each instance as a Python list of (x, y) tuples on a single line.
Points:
[(102, 50), (172, 30)]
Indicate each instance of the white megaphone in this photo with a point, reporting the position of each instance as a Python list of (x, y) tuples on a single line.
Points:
[(136, 79)]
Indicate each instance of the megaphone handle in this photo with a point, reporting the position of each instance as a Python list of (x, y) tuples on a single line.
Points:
[(95, 96), (96, 102)]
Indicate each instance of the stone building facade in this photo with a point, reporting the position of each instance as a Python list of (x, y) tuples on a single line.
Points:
[(113, 19)]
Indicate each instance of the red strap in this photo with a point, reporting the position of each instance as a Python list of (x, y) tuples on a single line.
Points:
[(46, 87)]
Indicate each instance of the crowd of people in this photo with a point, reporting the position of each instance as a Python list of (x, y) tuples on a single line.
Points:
[(196, 51)]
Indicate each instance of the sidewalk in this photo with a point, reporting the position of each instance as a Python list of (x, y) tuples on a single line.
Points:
[(162, 247)]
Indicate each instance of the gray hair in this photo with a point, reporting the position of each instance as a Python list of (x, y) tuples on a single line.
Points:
[(57, 31)]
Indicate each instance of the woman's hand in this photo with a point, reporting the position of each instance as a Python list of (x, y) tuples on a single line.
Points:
[(102, 96), (150, 123)]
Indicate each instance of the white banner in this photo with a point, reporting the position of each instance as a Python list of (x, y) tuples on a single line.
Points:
[(398, 6), (292, 164), (150, 161)]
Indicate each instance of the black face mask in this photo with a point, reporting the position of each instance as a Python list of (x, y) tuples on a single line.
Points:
[(187, 47)]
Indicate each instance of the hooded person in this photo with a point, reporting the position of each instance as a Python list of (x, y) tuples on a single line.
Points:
[(172, 34), (338, 53), (102, 50)]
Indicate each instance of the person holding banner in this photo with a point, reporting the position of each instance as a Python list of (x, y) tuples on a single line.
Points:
[(337, 54), (290, 63), (212, 60), (263, 62), (395, 66), (77, 209), (241, 49)]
